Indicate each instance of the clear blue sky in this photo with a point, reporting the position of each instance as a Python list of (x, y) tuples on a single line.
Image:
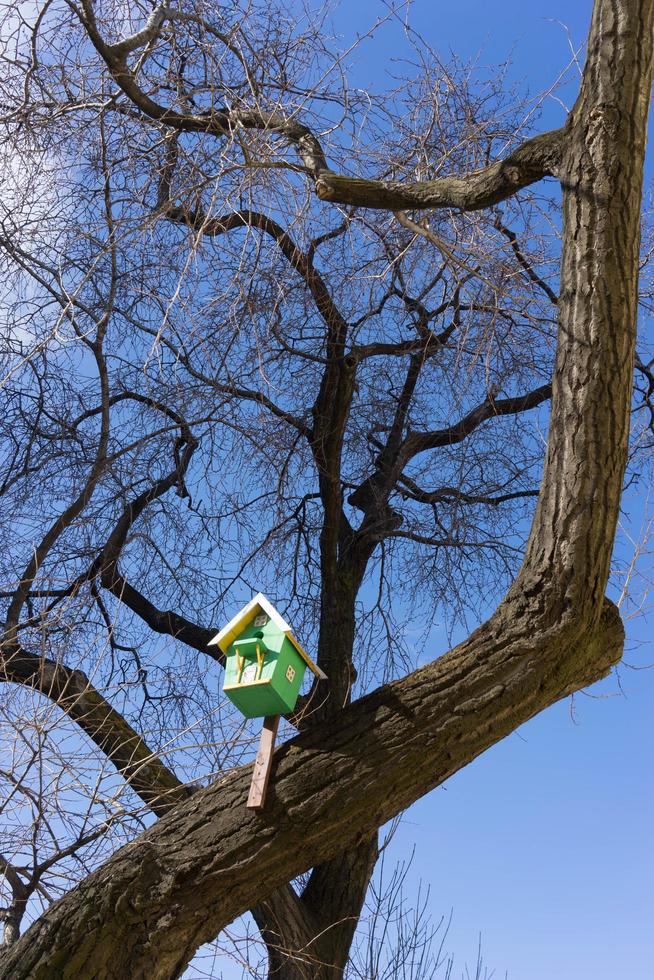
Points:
[(544, 844)]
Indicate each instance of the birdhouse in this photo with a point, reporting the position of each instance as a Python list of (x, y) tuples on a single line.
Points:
[(265, 664)]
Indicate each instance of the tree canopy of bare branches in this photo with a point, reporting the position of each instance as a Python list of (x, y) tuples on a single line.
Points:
[(264, 332)]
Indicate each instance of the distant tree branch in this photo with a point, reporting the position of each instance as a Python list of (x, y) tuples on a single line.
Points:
[(303, 265), (106, 564), (420, 442), (531, 161), (376, 488), (73, 693), (453, 494), (524, 262), (218, 122)]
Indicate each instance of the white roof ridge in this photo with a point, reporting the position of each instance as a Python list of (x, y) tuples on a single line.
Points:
[(226, 635)]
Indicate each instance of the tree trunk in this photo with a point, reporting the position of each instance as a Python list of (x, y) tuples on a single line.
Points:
[(309, 936), (145, 912)]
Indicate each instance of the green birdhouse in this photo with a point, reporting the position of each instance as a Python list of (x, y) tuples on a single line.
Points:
[(265, 664)]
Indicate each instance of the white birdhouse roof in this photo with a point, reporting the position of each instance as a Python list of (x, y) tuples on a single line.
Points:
[(254, 608)]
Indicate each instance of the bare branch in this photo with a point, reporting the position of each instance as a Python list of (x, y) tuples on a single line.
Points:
[(491, 407), (72, 691), (536, 158)]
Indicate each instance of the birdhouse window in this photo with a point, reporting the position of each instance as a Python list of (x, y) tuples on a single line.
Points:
[(290, 674), (261, 620)]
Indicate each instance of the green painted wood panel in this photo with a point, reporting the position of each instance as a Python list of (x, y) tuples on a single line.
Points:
[(273, 689)]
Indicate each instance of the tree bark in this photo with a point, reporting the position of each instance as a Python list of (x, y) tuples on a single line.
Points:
[(145, 912), (74, 694)]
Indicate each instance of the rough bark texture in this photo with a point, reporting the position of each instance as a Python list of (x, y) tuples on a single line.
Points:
[(567, 557), (146, 911), (73, 692)]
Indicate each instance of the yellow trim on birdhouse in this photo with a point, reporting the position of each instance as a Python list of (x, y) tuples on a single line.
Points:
[(259, 604), (235, 687)]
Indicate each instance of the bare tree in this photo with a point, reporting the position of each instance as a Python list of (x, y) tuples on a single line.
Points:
[(235, 360)]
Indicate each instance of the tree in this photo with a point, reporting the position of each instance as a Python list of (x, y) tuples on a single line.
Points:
[(189, 322)]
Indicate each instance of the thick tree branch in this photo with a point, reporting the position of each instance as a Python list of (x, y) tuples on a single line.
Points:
[(164, 894), (291, 935), (530, 162), (339, 781), (420, 442), (335, 892), (12, 915), (309, 936), (163, 621), (455, 495), (536, 158), (217, 122)]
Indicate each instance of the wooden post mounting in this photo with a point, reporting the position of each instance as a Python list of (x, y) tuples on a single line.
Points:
[(262, 763)]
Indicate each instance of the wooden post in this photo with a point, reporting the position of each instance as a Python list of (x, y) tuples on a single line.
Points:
[(262, 763)]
